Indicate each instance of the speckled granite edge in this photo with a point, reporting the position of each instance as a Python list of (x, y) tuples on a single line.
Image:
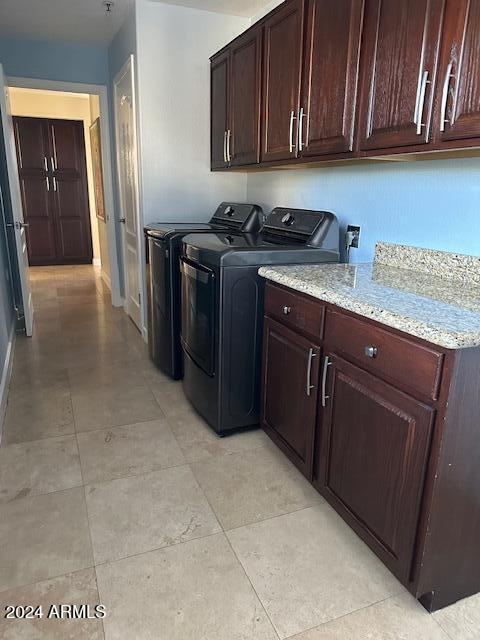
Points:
[(407, 324), (443, 264)]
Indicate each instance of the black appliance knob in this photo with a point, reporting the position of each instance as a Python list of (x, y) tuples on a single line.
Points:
[(229, 211), (288, 219)]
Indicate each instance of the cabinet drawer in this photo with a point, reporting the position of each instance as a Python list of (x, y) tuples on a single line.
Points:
[(412, 366), (295, 310)]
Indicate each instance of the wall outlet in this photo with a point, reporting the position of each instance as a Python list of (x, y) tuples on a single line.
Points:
[(354, 238)]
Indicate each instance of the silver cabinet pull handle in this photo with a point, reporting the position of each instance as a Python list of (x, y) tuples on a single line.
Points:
[(421, 102), (225, 147), (443, 107), (286, 310), (371, 352), (54, 183), (310, 386), (45, 163), (301, 116), (48, 183), (326, 364), (229, 137), (54, 168), (292, 118)]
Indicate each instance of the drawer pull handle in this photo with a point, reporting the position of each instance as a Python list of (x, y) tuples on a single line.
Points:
[(310, 386), (326, 364), (371, 352), (286, 310)]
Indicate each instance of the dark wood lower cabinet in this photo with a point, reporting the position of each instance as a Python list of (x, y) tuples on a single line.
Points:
[(395, 449), (372, 453), (53, 181), (290, 399)]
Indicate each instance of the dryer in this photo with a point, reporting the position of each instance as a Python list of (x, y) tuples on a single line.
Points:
[(222, 308)]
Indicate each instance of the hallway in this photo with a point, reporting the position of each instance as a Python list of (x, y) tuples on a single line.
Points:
[(113, 491)]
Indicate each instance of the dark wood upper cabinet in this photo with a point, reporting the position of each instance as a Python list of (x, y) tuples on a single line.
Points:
[(374, 449), (399, 62), (458, 93), (245, 79), (290, 390), (283, 45), (219, 88), (330, 73)]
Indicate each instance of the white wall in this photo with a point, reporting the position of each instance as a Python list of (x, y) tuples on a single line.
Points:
[(174, 44)]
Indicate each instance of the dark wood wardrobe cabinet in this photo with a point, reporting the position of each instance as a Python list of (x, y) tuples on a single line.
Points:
[(386, 427), (235, 102), (53, 182)]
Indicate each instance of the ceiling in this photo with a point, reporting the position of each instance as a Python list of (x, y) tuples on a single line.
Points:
[(79, 21), (86, 22), (247, 8)]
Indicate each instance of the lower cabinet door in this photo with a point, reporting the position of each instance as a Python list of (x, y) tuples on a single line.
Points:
[(290, 391), (371, 458)]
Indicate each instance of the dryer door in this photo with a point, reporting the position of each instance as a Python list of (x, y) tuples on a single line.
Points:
[(198, 314)]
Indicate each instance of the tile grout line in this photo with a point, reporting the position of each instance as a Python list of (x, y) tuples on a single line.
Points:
[(86, 507), (237, 558)]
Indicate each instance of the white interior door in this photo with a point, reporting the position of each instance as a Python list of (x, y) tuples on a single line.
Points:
[(127, 167), (18, 222)]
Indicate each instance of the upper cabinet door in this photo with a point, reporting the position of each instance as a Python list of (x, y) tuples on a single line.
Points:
[(219, 87), (245, 77), (399, 61), (326, 119), (459, 80), (281, 80)]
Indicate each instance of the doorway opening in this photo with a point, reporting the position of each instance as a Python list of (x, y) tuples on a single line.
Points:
[(57, 139), (75, 193)]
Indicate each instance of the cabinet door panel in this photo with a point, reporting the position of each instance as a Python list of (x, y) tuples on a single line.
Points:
[(399, 60), (375, 444), (290, 364), (245, 95), (73, 224), (37, 212), (67, 145), (219, 87), (31, 144), (330, 75), (459, 85), (283, 39)]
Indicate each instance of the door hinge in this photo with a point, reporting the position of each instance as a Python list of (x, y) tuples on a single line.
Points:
[(139, 298)]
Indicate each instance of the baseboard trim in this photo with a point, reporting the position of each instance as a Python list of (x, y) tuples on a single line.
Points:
[(5, 380)]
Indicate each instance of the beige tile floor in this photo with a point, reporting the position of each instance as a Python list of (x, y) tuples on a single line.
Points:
[(113, 490)]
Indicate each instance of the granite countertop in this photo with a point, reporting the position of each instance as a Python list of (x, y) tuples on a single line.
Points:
[(433, 295)]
